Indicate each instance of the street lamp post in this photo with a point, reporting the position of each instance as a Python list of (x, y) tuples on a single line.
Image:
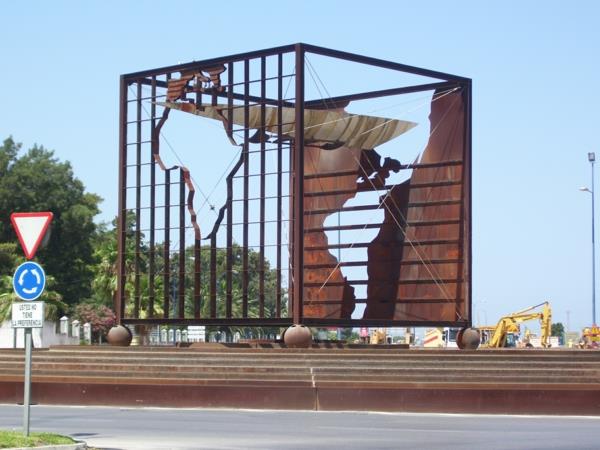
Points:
[(592, 159)]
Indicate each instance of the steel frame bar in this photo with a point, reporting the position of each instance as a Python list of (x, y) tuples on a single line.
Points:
[(166, 246), (182, 258), (298, 199), (120, 297), (279, 181), (261, 270), (138, 182), (246, 149), (152, 237)]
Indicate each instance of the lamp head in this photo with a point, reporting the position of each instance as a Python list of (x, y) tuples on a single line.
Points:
[(591, 156)]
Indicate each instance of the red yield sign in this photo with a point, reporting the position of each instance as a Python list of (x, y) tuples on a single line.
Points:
[(31, 228)]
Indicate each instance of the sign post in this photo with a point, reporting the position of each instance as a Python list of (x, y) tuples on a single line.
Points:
[(27, 316), (29, 282)]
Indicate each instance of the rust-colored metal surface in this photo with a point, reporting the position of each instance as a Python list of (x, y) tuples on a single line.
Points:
[(282, 193)]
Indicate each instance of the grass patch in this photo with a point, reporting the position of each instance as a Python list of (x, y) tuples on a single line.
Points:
[(10, 439)]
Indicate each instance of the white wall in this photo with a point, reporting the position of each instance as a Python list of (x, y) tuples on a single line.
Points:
[(42, 338)]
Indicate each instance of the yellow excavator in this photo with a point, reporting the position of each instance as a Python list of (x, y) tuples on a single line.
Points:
[(510, 324)]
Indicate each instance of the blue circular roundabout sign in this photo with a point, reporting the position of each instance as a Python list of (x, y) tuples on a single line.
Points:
[(29, 281)]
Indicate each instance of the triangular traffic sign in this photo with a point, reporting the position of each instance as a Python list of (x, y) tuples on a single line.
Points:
[(31, 228)]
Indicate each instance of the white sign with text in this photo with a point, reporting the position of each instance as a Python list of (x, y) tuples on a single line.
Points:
[(28, 315)]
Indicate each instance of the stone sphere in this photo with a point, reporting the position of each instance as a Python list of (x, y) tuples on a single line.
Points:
[(119, 336), (470, 339), (297, 336)]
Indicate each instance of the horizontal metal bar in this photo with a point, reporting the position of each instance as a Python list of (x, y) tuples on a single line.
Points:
[(258, 174), (140, 142), (368, 60), (435, 203), (146, 186), (225, 94), (366, 282), (148, 98), (387, 187), (383, 93), (264, 322), (196, 65), (156, 207), (313, 322), (257, 222), (401, 167), (412, 223), (312, 212), (397, 301), (367, 244), (357, 323), (259, 198), (139, 165), (150, 119), (365, 263)]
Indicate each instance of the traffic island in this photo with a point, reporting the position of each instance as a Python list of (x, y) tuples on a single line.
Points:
[(16, 440)]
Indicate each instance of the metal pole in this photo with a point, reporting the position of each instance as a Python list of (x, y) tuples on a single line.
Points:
[(27, 387), (298, 200), (593, 254)]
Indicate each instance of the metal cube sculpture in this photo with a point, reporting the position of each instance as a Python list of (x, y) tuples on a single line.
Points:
[(270, 259)]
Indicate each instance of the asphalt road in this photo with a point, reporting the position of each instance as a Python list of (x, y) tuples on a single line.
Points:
[(154, 428)]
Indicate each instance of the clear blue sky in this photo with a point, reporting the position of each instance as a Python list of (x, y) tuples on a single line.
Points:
[(534, 65)]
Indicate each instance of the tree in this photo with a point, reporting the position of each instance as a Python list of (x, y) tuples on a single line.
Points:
[(105, 278), (37, 181), (557, 329)]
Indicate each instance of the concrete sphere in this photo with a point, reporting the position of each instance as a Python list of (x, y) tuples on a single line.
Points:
[(297, 336), (470, 339), (119, 336)]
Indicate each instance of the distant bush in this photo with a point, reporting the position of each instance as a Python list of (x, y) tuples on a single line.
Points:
[(101, 317)]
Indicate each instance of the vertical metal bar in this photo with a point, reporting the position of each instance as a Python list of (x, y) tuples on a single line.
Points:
[(246, 149), (167, 244), (229, 237), (291, 228), (469, 188), (279, 179), (261, 279), (121, 222), (197, 277), (152, 236), (27, 385), (298, 262), (213, 276), (463, 282), (230, 82), (138, 200), (182, 258), (593, 250)]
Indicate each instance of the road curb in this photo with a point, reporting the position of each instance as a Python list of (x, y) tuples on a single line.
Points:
[(76, 446)]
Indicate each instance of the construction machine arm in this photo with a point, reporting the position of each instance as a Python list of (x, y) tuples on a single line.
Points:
[(510, 323)]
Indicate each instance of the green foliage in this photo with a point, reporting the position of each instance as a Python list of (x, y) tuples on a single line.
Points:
[(9, 259), (37, 181), (12, 439), (557, 329), (105, 278)]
